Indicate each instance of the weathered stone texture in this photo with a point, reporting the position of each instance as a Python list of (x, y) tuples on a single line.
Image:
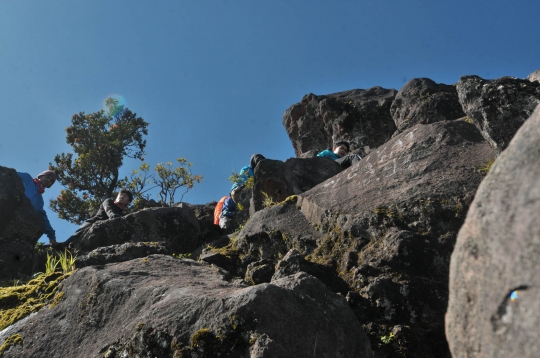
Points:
[(361, 117), (20, 228), (279, 180), (423, 101), (390, 223), (177, 226), (494, 283), (535, 76), (498, 107), (166, 307)]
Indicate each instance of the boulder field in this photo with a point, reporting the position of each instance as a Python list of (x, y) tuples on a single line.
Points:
[(428, 247)]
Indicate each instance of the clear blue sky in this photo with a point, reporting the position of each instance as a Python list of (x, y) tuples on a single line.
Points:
[(213, 78)]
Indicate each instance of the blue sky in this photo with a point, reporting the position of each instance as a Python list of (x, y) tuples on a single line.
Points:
[(213, 78)]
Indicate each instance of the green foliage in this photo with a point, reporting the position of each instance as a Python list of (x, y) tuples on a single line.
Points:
[(236, 178), (181, 256), (267, 201), (100, 141), (167, 179), (387, 339), (66, 261)]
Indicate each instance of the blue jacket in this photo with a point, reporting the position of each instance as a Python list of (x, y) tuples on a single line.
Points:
[(245, 173), (329, 154), (31, 191), (229, 208)]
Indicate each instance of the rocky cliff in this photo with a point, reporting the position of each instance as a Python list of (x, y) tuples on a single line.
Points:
[(331, 262)]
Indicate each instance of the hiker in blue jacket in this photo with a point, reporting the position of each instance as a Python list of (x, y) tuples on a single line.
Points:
[(340, 155), (33, 189), (245, 173)]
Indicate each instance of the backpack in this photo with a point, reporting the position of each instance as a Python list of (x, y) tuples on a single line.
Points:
[(217, 210)]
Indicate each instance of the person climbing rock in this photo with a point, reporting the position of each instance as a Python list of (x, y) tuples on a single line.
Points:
[(340, 155), (34, 189), (245, 173), (109, 209)]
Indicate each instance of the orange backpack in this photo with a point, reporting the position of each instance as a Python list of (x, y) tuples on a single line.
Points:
[(217, 210)]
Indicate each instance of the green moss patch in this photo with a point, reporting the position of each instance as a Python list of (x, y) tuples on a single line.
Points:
[(11, 341), (20, 301)]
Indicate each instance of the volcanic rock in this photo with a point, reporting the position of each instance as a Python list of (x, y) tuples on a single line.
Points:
[(20, 228), (177, 225), (390, 224), (276, 180), (494, 283), (535, 76), (423, 101), (498, 107), (361, 117), (166, 307)]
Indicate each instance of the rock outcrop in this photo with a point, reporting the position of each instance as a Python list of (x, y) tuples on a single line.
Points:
[(498, 107), (20, 228), (361, 117), (177, 225), (494, 282), (276, 180), (390, 224), (166, 307), (423, 101), (535, 76)]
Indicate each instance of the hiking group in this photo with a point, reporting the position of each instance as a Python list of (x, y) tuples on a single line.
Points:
[(224, 212), (227, 206)]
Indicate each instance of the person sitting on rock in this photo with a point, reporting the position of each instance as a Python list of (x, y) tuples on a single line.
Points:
[(245, 173), (339, 154), (33, 189), (227, 214), (109, 209)]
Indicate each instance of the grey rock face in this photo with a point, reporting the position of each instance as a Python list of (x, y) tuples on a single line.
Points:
[(166, 307), (177, 225), (498, 107), (423, 101), (361, 117), (389, 226), (20, 227), (535, 76), (123, 252), (494, 282), (280, 180)]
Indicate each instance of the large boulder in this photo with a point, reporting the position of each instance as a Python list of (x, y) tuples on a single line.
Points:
[(276, 180), (361, 117), (176, 225), (390, 224), (166, 307), (20, 228), (423, 101), (494, 308), (498, 107)]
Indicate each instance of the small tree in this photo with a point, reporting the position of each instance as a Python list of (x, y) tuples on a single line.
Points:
[(168, 181), (100, 141)]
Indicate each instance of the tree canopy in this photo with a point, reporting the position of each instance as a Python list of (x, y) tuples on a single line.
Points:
[(100, 141)]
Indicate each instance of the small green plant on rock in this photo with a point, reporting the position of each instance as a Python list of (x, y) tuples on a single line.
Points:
[(387, 339), (11, 341), (267, 201), (181, 256), (484, 168)]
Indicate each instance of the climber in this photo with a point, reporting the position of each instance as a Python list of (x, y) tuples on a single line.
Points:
[(224, 213), (109, 209), (245, 173), (33, 189), (339, 154)]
